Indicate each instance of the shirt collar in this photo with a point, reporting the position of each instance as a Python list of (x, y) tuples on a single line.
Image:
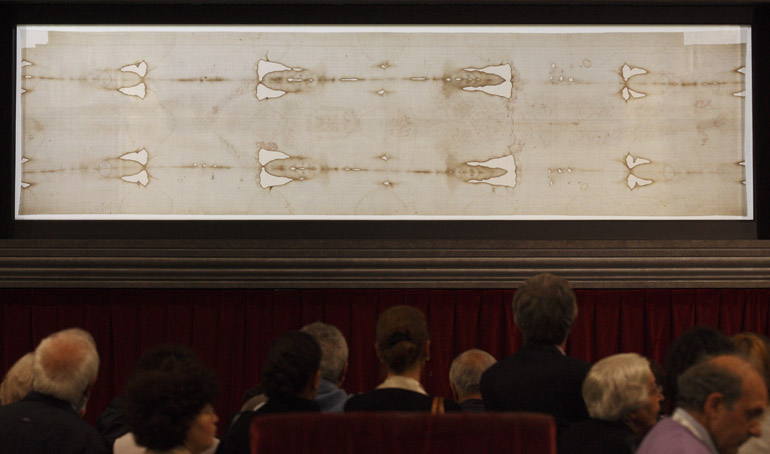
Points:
[(401, 382), (688, 422)]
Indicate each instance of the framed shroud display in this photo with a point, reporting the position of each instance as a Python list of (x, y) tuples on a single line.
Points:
[(398, 122), (387, 133)]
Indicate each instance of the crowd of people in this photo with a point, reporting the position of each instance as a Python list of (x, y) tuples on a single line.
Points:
[(709, 397)]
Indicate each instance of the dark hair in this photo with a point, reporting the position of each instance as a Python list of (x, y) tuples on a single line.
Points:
[(544, 309), (293, 359), (165, 394), (658, 373), (155, 358), (401, 333), (690, 348)]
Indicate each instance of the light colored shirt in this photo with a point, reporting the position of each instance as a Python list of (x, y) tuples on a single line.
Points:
[(682, 417), (400, 382), (679, 434), (127, 445)]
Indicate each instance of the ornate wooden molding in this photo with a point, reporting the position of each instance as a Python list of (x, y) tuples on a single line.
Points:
[(380, 264)]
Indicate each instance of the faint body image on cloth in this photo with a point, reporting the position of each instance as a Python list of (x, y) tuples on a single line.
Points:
[(383, 122)]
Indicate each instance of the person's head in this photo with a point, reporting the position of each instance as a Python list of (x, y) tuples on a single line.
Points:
[(757, 351), (292, 368), (334, 350), (622, 388), (466, 370), (727, 396), (168, 401), (401, 338), (65, 366), (544, 308), (692, 347), (18, 380)]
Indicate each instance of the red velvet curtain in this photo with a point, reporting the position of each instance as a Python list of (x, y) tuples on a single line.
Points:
[(232, 329)]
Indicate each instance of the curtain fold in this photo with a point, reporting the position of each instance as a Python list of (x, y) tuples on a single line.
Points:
[(232, 329)]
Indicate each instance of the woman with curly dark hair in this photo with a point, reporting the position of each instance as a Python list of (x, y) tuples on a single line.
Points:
[(289, 379), (168, 408), (402, 346)]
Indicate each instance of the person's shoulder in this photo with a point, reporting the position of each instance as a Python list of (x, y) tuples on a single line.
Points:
[(577, 364), (358, 401), (593, 436), (395, 399), (40, 409), (382, 397), (670, 437), (504, 365), (451, 406)]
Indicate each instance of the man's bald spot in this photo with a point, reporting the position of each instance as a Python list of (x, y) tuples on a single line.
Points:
[(749, 375), (61, 354)]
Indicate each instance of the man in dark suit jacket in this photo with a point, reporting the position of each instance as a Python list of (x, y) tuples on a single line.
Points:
[(540, 377)]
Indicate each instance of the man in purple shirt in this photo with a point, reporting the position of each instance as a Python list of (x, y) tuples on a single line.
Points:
[(719, 406)]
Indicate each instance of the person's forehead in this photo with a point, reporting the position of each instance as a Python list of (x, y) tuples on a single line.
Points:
[(754, 395)]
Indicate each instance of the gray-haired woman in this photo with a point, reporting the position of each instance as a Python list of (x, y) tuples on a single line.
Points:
[(623, 400)]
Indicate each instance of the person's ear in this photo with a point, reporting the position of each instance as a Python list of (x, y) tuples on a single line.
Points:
[(84, 400), (714, 404), (342, 376), (311, 389)]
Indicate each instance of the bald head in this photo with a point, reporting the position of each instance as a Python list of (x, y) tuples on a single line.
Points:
[(466, 370), (740, 367), (727, 396), (724, 374), (65, 366)]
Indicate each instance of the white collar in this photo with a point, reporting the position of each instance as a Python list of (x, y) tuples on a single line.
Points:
[(401, 382), (688, 422)]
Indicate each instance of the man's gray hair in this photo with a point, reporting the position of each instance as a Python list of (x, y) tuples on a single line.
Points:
[(466, 370), (701, 380), (334, 349), (544, 308), (617, 385), (65, 366)]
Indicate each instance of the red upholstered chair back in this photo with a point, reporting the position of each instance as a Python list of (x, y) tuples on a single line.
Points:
[(395, 433)]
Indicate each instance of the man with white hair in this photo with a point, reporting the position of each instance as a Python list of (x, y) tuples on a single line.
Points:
[(465, 378), (48, 419), (334, 364)]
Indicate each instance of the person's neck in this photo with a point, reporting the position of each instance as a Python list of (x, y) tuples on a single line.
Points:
[(699, 417), (414, 373)]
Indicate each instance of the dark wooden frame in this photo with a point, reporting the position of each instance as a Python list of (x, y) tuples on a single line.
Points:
[(325, 254), (381, 264)]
